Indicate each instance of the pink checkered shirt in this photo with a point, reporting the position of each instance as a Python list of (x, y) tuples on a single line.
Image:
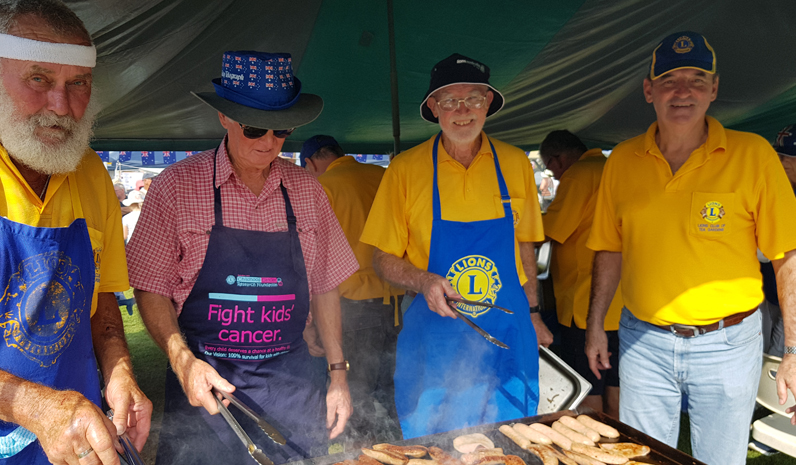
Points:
[(168, 246)]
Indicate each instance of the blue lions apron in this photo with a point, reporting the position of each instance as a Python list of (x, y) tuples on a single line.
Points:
[(245, 316), (48, 277), (447, 376)]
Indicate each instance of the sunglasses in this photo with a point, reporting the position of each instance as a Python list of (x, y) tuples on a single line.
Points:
[(250, 132)]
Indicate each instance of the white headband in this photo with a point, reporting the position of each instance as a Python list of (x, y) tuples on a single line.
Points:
[(19, 48)]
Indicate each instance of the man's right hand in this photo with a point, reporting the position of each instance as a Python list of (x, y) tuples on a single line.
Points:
[(71, 424), (597, 351), (198, 379), (435, 288)]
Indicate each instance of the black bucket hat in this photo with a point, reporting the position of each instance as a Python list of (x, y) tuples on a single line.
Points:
[(459, 69)]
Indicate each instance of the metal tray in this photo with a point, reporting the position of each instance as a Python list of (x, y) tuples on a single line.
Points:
[(560, 386)]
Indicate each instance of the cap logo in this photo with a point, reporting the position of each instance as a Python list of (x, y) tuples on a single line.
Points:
[(477, 65), (683, 44)]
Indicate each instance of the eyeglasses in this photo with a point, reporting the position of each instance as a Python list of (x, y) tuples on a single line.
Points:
[(452, 104), (250, 132)]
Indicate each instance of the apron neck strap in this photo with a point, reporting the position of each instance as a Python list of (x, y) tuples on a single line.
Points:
[(219, 217), (504, 191)]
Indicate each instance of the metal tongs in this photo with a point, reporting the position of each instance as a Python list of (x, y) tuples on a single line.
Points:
[(257, 454), (477, 328), (130, 453), (272, 433)]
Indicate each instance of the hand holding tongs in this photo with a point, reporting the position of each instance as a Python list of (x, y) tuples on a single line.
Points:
[(478, 329), (257, 454), (130, 453)]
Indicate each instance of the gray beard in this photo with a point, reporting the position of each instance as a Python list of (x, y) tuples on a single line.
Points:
[(18, 136)]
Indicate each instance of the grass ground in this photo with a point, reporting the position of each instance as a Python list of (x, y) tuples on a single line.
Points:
[(150, 368)]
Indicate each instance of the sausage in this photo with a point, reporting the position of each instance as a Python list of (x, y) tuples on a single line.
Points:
[(513, 460), (411, 451), (582, 459), (559, 439), (532, 435), (571, 434), (544, 453), (470, 442), (473, 457), (573, 424), (384, 456), (365, 460), (599, 454), (421, 462), (442, 457), (512, 434), (561, 457), (601, 428)]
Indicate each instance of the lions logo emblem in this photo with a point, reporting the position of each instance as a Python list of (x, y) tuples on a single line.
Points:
[(713, 212), (475, 277), (43, 303), (683, 44)]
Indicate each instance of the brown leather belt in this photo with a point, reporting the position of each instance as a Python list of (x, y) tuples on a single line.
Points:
[(693, 331)]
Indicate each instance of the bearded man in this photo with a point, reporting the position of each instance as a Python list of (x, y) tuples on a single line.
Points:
[(63, 254)]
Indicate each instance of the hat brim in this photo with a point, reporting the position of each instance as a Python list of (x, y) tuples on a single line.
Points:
[(307, 108), (790, 155), (497, 101)]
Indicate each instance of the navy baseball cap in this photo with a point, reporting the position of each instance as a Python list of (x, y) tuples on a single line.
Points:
[(459, 69), (686, 49), (313, 144), (785, 143)]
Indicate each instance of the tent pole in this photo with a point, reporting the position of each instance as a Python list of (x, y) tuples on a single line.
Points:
[(396, 118)]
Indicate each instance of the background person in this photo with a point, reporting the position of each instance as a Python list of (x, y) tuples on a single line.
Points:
[(457, 216), (133, 201), (62, 255), (230, 247), (369, 306), (680, 212), (121, 194), (567, 222)]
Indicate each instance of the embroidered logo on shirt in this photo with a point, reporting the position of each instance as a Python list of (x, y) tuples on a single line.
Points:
[(713, 212), (475, 277), (43, 300)]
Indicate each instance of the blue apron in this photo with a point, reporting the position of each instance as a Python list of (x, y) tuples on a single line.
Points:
[(245, 316), (48, 277), (447, 376)]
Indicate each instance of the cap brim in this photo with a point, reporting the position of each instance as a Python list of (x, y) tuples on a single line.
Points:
[(307, 108), (497, 102), (792, 155)]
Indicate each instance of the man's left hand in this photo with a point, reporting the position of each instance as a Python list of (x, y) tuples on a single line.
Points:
[(338, 405), (786, 380), (132, 411), (543, 335)]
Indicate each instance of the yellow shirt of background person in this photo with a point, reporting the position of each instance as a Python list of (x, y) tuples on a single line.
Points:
[(400, 219), (351, 187), (568, 221), (688, 241), (100, 208)]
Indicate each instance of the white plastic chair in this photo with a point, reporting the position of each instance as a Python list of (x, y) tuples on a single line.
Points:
[(774, 430)]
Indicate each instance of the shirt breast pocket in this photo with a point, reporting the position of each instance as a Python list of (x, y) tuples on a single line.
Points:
[(711, 214), (517, 208)]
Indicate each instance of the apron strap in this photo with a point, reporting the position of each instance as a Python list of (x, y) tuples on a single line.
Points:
[(217, 193), (504, 191), (77, 206), (291, 218)]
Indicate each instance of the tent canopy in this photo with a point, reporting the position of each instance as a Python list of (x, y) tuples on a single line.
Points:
[(568, 64)]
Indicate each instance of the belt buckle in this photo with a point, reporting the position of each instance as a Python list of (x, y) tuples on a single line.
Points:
[(695, 330)]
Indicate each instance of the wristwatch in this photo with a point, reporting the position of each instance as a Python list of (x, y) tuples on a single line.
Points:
[(789, 350), (535, 309), (338, 366)]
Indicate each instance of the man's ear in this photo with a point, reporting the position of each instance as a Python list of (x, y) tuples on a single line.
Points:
[(431, 103)]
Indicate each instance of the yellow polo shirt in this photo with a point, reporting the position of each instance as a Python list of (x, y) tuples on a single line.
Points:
[(689, 240), (351, 187), (100, 208), (567, 221), (400, 219)]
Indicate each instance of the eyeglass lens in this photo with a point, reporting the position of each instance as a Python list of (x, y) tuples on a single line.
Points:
[(472, 103), (250, 132)]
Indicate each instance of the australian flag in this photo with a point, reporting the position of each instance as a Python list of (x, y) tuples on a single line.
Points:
[(169, 157), (361, 157), (125, 156), (103, 155), (188, 154), (147, 158), (378, 157)]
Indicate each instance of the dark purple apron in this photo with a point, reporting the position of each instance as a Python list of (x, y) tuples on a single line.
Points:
[(245, 316)]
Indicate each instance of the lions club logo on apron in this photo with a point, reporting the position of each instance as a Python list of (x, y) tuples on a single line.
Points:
[(475, 277), (42, 301), (713, 212)]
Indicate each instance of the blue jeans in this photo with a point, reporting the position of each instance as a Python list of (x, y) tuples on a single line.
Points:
[(718, 371)]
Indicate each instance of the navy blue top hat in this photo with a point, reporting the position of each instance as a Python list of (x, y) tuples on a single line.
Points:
[(685, 49), (785, 143), (459, 69), (259, 89)]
